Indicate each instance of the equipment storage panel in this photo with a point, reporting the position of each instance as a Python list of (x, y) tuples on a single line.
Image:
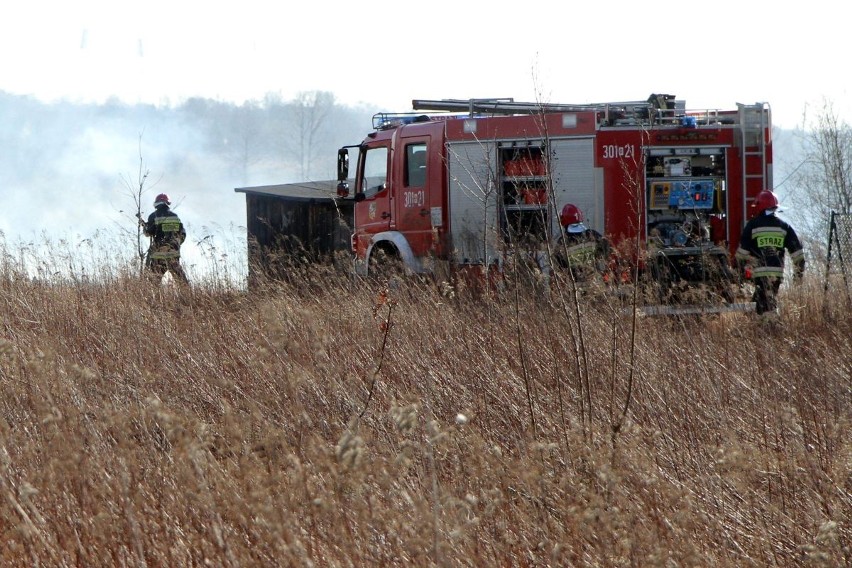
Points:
[(577, 181), (473, 201)]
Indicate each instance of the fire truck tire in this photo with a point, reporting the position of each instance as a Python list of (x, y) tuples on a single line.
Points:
[(727, 282), (657, 281), (385, 264)]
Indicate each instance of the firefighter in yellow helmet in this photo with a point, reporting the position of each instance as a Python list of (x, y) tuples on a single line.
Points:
[(584, 251), (763, 243), (167, 235)]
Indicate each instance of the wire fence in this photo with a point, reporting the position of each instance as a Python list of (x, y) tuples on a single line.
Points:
[(838, 264)]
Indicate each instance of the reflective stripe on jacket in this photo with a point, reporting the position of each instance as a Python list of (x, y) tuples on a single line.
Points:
[(167, 233), (763, 243)]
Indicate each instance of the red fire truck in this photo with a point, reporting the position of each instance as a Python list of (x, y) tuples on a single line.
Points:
[(470, 181)]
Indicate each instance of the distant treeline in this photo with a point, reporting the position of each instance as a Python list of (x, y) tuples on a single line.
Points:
[(263, 141), (70, 166)]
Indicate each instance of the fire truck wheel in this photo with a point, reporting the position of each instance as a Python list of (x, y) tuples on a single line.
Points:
[(386, 264)]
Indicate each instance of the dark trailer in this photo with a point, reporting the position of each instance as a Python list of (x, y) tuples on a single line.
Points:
[(296, 224)]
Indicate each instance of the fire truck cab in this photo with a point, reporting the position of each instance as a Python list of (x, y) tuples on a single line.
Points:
[(475, 180)]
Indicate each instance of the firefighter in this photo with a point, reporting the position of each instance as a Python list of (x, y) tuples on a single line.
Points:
[(582, 250), (167, 235), (760, 255)]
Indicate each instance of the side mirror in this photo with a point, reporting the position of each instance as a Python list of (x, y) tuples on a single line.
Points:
[(342, 189), (342, 165)]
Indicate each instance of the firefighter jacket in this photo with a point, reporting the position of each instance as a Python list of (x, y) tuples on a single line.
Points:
[(763, 243), (584, 252), (167, 234)]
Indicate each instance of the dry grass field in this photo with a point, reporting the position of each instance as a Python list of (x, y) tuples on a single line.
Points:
[(324, 423)]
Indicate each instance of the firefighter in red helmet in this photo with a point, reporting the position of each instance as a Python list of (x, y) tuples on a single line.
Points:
[(763, 243), (582, 250), (167, 235)]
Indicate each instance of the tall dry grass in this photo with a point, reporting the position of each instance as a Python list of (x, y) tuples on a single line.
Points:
[(323, 423)]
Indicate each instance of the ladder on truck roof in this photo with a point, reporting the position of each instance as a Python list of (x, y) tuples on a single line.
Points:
[(508, 106), (658, 108), (754, 120)]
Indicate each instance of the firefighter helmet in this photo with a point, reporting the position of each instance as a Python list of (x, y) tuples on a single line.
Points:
[(162, 199), (765, 200), (571, 215)]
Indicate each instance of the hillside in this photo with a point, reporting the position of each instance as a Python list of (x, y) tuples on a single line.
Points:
[(326, 423)]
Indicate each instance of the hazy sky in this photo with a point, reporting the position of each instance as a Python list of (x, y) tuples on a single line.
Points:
[(386, 53)]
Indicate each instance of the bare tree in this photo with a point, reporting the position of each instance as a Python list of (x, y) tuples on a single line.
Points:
[(310, 111), (245, 144), (824, 180), (135, 189)]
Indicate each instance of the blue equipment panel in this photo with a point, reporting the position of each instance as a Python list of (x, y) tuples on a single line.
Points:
[(692, 194)]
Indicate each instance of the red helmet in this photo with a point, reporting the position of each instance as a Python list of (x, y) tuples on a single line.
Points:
[(162, 199), (571, 215), (765, 200)]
